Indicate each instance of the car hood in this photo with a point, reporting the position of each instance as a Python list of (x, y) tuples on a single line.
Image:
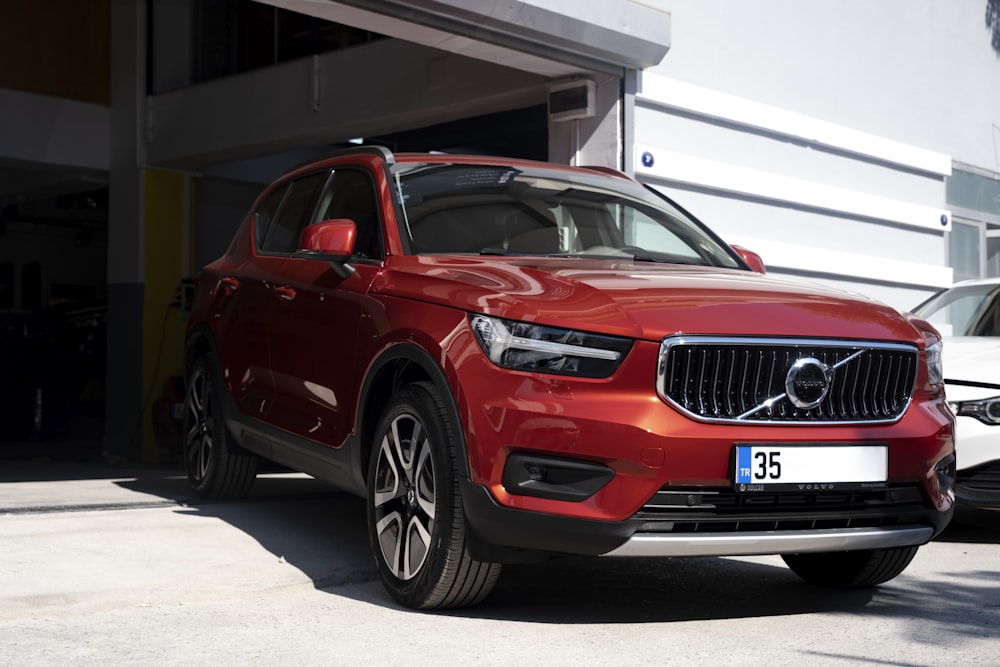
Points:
[(972, 359), (640, 299)]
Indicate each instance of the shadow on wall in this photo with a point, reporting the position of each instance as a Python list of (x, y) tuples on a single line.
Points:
[(993, 23)]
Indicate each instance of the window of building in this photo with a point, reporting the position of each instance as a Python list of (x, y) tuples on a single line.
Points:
[(974, 242), (233, 36)]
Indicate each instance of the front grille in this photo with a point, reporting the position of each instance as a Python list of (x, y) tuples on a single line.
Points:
[(750, 380), (723, 510)]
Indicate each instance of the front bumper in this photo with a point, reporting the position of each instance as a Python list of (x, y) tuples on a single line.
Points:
[(501, 533), (980, 486), (639, 477), (760, 543)]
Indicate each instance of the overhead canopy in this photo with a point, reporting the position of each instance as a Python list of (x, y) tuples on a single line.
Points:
[(548, 37)]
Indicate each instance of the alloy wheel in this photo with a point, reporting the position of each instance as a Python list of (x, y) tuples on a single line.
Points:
[(199, 422), (404, 497)]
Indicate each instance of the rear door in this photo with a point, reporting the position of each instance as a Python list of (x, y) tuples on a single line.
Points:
[(243, 307), (253, 295)]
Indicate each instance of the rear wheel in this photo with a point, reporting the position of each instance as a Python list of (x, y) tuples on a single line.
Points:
[(214, 468), (416, 524), (851, 569)]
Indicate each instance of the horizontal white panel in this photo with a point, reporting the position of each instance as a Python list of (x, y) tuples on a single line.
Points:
[(670, 93), (779, 255), (724, 177)]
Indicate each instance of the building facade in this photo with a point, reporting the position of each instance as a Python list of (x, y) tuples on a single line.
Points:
[(853, 143)]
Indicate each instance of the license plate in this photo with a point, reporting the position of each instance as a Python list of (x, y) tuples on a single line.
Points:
[(810, 467)]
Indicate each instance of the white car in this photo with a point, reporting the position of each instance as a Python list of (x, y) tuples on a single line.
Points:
[(968, 316)]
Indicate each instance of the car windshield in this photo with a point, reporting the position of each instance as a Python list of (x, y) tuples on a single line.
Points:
[(506, 210), (965, 310)]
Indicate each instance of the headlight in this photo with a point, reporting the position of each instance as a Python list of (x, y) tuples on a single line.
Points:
[(540, 349), (935, 368), (986, 410)]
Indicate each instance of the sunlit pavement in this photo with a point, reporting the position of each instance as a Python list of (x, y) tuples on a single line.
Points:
[(113, 564)]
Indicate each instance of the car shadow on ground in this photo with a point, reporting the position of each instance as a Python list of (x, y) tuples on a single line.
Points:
[(298, 519), (974, 526), (323, 534)]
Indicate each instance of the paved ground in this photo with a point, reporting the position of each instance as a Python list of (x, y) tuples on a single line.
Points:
[(113, 565)]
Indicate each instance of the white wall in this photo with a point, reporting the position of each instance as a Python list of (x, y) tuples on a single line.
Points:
[(821, 135), (921, 72)]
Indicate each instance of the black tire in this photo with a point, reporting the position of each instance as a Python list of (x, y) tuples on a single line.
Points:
[(215, 468), (851, 569), (416, 524)]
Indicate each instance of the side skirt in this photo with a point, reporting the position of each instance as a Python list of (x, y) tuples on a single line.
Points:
[(338, 466)]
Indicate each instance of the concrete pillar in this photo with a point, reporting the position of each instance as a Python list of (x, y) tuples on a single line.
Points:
[(126, 263), (149, 250), (597, 140)]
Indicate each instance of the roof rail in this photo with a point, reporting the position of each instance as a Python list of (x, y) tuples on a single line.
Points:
[(370, 149), (374, 149), (607, 170)]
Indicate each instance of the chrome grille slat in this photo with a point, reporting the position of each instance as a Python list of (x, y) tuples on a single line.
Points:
[(743, 380)]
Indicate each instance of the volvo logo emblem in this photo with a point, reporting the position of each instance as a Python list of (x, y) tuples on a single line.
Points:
[(807, 382)]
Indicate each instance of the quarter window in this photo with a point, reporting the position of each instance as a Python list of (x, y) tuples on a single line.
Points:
[(265, 214)]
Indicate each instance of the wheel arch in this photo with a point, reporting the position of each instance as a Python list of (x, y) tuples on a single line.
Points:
[(395, 367), (198, 342)]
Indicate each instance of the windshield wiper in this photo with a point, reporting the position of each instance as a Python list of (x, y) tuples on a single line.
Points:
[(645, 258)]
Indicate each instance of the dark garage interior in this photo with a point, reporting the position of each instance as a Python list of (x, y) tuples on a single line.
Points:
[(54, 219)]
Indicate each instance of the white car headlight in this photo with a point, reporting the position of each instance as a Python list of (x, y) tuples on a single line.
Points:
[(541, 349), (986, 410)]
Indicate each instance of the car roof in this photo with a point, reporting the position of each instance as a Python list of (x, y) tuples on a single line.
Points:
[(994, 280)]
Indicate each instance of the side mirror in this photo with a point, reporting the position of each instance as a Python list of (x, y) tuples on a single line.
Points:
[(752, 259), (330, 240)]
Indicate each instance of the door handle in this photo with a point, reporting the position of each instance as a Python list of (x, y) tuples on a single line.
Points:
[(229, 285), (285, 293)]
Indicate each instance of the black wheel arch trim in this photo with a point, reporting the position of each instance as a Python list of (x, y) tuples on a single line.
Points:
[(412, 353), (197, 333), (203, 333), (504, 534)]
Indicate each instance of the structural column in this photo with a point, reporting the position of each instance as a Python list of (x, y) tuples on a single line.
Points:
[(126, 256), (597, 140)]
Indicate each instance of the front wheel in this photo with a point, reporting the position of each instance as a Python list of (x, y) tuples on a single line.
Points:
[(416, 524), (851, 569)]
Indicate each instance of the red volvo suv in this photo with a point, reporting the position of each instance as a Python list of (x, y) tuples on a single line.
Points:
[(511, 359)]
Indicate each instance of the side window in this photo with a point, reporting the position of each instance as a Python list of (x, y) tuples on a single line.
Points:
[(351, 194), (265, 215), (292, 215)]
